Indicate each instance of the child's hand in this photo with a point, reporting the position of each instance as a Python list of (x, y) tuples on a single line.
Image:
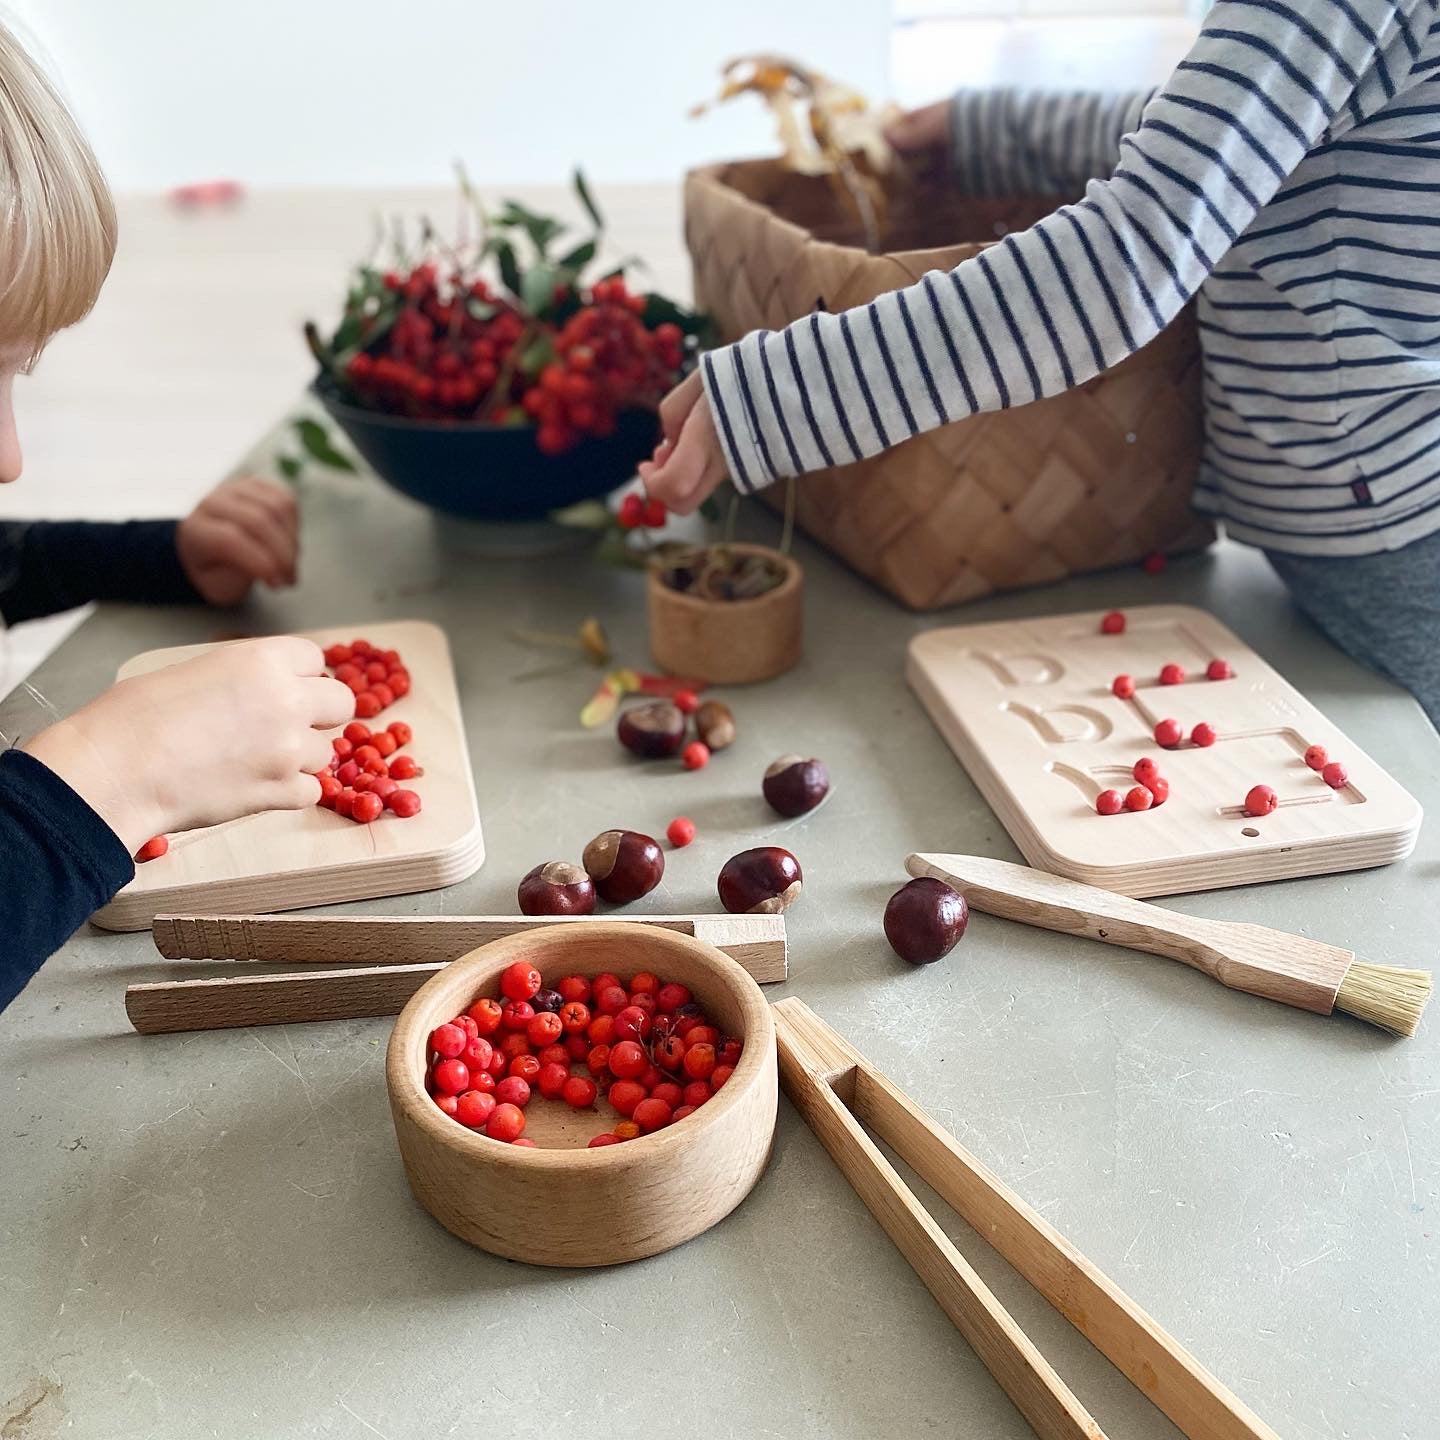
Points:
[(229, 733), (923, 132), (689, 462), (244, 530)]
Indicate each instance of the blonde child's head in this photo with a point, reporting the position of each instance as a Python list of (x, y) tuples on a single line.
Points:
[(57, 219)]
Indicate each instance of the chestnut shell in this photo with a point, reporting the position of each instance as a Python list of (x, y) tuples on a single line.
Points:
[(795, 786), (652, 731), (624, 865), (925, 919), (556, 888), (763, 881)]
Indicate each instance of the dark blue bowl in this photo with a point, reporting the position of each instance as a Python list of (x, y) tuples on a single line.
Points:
[(489, 472)]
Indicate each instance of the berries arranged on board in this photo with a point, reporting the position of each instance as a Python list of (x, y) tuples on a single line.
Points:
[(1172, 674), (152, 849), (1139, 798), (1123, 686), (1203, 735), (361, 784), (1335, 775), (644, 1046), (680, 832), (1145, 770), (378, 678), (1109, 802), (1113, 623), (1317, 757), (1168, 734), (1261, 800), (1219, 669), (1151, 789)]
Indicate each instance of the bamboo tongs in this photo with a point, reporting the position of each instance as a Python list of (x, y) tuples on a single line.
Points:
[(842, 1097)]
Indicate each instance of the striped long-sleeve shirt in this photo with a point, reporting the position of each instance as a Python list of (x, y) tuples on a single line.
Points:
[(1288, 173)]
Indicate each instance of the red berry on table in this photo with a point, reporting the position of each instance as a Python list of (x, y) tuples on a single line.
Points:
[(1172, 674), (375, 671), (342, 747), (451, 1077), (598, 1142), (336, 655), (364, 754), (1159, 789), (1203, 735), (1145, 769), (330, 787), (579, 1092), (512, 1090), (382, 786), (366, 807), (551, 1080), (1261, 800), (680, 832), (507, 1122), (384, 695), (399, 684), (519, 981), (1109, 802), (1219, 670), (687, 702), (625, 1095), (346, 772), (448, 1040), (404, 803), (486, 1015), (1113, 623), (1123, 686), (1335, 775), (696, 755), (342, 803), (385, 743), (157, 846), (1317, 757), (653, 1114), (403, 767), (1153, 563), (357, 732), (1168, 733), (366, 704), (401, 731), (627, 1060), (474, 1108), (1140, 798)]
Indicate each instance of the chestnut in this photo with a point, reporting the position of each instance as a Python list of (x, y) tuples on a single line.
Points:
[(550, 1000), (624, 865), (715, 725), (794, 785), (556, 888), (925, 919), (763, 881), (652, 731)]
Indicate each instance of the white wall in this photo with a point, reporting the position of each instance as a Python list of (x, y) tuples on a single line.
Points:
[(373, 92)]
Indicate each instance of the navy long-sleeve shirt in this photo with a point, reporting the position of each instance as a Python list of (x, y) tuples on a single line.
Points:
[(59, 861)]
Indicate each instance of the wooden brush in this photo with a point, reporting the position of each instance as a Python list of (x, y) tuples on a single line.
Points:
[(1292, 969)]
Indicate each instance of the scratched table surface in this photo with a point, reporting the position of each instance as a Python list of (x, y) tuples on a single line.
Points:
[(210, 1235)]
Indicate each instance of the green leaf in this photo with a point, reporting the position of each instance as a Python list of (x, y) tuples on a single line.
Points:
[(315, 440), (537, 289), (588, 201), (541, 229), (661, 311), (537, 355), (509, 266), (578, 258), (290, 466), (480, 310)]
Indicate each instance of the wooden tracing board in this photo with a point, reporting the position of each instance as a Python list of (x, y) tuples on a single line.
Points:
[(283, 860), (1027, 707)]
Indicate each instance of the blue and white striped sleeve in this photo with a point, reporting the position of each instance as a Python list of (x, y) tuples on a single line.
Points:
[(1053, 306), (1017, 142)]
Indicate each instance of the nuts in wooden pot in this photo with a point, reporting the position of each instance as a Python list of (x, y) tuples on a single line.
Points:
[(556, 888), (652, 731), (925, 919), (624, 865), (763, 881), (794, 785), (715, 725)]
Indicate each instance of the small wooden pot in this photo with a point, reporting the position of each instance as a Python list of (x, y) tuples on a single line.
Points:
[(729, 642), (563, 1204)]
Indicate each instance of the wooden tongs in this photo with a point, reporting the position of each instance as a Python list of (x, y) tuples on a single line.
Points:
[(845, 1101)]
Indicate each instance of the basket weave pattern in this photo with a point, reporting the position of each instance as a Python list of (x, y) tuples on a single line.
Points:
[(1097, 477)]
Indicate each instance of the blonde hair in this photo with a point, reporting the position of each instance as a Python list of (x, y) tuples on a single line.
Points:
[(57, 217)]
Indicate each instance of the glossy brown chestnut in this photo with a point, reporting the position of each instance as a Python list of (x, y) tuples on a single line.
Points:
[(624, 865), (556, 888), (652, 731), (794, 785), (924, 920), (715, 725), (763, 881)]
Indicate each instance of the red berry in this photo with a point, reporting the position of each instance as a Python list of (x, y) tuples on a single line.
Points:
[(551, 1080), (524, 1144), (448, 1040), (631, 513), (1218, 670), (1159, 789), (687, 702), (512, 1090), (1261, 801), (579, 1092), (632, 1023), (669, 1052), (1139, 798), (366, 704), (155, 847), (385, 743), (700, 1061), (398, 684), (1109, 802), (696, 1093), (668, 1091), (517, 1015), (702, 1034), (696, 755), (1145, 769), (597, 1061), (1203, 735), (597, 1142), (655, 514), (601, 1030), (520, 981), (642, 982), (555, 1055), (672, 996), (451, 1077), (342, 747), (526, 1067), (477, 1054), (611, 1001), (627, 1060), (625, 1095), (625, 1129), (1113, 623), (401, 731), (722, 1073), (574, 1016), (680, 832), (347, 772), (577, 1047), (1172, 674), (1153, 563), (1316, 757), (574, 989), (366, 808), (512, 1044), (486, 1014), (544, 1029), (1335, 775), (507, 1122), (1123, 686), (404, 803), (653, 1114), (380, 785), (1168, 733), (330, 787), (403, 767), (448, 1103), (474, 1108), (682, 1112), (605, 980), (336, 655)]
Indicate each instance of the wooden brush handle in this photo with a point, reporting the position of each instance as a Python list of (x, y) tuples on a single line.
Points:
[(1269, 963)]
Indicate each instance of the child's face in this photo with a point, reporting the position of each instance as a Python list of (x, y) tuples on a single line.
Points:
[(12, 361)]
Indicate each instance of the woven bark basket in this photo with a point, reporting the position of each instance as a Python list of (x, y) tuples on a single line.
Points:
[(1097, 477)]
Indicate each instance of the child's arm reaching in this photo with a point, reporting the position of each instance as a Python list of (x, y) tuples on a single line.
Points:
[(1052, 307)]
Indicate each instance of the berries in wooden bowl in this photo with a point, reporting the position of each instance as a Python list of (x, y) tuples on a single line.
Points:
[(678, 1163)]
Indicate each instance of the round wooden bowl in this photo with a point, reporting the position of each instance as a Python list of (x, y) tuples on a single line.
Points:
[(563, 1204), (729, 642)]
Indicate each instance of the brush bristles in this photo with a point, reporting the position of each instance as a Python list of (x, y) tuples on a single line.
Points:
[(1384, 995)]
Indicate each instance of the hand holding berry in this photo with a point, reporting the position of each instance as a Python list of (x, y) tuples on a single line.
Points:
[(144, 755), (246, 529), (689, 464)]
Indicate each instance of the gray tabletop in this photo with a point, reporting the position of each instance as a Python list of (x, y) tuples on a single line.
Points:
[(211, 1234)]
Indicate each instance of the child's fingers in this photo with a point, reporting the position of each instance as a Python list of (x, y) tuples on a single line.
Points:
[(316, 753), (222, 543), (675, 408), (275, 533), (330, 702)]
